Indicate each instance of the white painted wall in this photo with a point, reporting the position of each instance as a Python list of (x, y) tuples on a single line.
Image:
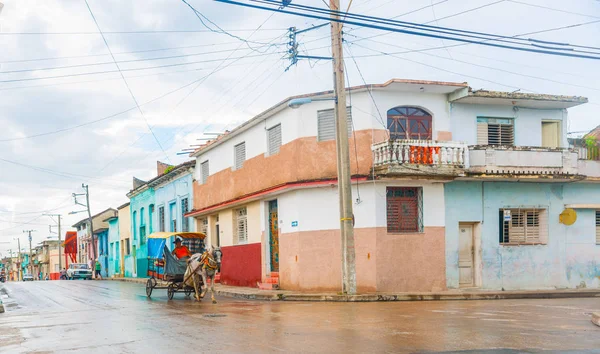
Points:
[(528, 122), (318, 208)]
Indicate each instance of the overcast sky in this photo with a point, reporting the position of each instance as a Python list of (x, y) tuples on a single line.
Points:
[(82, 125)]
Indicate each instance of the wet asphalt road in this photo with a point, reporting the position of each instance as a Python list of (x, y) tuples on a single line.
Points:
[(116, 317)]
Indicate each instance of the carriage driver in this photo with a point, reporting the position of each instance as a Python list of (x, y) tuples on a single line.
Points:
[(180, 250)]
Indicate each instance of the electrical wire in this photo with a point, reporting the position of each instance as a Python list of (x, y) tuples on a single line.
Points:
[(110, 62), (133, 69), (552, 9), (486, 42), (408, 50), (134, 32), (126, 84)]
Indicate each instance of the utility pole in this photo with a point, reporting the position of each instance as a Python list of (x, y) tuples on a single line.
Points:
[(58, 216), (343, 155), (19, 276), (87, 205), (30, 258)]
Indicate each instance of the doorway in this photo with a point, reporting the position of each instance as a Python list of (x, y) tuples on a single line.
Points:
[(134, 259), (550, 134), (274, 236), (466, 256)]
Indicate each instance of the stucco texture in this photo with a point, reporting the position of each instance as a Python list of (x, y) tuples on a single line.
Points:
[(303, 159), (569, 258), (311, 260), (241, 265)]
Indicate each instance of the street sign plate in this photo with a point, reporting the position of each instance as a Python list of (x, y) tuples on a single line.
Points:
[(294, 223), (507, 215)]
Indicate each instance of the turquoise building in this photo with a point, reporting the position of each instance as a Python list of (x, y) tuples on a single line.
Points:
[(142, 212)]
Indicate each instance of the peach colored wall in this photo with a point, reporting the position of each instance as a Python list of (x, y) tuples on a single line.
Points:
[(303, 159), (311, 260), (411, 262), (444, 136)]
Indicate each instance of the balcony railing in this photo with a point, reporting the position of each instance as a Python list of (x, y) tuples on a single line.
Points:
[(588, 152), (420, 152), (420, 157)]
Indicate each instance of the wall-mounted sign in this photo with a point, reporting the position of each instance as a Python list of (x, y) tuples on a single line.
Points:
[(294, 223), (506, 215)]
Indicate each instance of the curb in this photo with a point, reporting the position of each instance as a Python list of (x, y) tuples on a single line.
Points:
[(596, 318), (248, 294)]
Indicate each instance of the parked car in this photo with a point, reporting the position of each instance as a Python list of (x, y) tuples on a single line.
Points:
[(79, 271), (27, 277)]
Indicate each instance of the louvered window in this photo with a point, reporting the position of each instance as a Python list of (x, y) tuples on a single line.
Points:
[(184, 220), (241, 225), (523, 226), (204, 226), (404, 209), (326, 124), (598, 227), (274, 139), (495, 131), (161, 219), (239, 156), (204, 172)]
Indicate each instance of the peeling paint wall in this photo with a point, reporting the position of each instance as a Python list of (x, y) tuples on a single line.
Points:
[(570, 257)]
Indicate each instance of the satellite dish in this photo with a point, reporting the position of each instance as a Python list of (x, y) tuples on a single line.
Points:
[(568, 216)]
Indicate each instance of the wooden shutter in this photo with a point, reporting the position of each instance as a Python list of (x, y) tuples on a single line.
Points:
[(242, 225), (526, 226), (204, 172), (239, 155), (274, 139), (326, 124), (161, 219), (482, 133)]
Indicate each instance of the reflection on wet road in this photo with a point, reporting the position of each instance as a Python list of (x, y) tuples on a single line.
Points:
[(116, 317)]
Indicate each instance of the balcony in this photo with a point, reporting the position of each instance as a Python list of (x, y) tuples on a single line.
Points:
[(522, 162), (589, 161), (420, 157)]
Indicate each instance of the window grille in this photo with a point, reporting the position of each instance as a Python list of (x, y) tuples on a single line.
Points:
[(598, 227), (274, 139), (404, 209), (326, 124), (241, 221), (204, 226), (523, 226), (409, 123), (204, 172), (240, 156), (161, 219), (495, 131), (184, 209)]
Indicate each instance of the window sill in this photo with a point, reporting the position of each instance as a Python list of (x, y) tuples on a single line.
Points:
[(524, 244)]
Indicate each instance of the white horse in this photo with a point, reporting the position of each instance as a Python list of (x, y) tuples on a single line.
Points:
[(205, 265)]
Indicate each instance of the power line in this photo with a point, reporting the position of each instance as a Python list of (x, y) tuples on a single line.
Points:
[(117, 53), (134, 32), (125, 81), (416, 29), (553, 9), (133, 69), (408, 50), (110, 62)]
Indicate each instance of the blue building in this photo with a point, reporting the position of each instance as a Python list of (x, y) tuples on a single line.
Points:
[(158, 205), (526, 212), (113, 239)]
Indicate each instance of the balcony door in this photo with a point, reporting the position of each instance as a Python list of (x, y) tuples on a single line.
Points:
[(550, 134), (409, 123)]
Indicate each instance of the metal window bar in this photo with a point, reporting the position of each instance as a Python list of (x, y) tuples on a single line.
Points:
[(161, 219), (598, 227), (184, 209), (242, 225), (526, 226), (404, 209)]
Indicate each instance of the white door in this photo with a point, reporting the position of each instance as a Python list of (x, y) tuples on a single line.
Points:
[(550, 136), (465, 255)]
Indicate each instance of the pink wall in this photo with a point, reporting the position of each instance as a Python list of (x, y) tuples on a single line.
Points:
[(311, 260), (241, 265)]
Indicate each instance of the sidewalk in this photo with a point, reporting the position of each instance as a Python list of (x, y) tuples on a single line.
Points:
[(286, 295)]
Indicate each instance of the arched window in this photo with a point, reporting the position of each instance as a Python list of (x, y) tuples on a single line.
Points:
[(409, 123)]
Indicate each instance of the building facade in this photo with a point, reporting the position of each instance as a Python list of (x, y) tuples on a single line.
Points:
[(267, 191), (114, 250), (125, 240), (86, 248)]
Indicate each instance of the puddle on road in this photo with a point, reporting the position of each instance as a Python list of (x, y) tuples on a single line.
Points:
[(215, 315)]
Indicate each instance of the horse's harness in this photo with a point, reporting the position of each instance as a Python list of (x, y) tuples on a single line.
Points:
[(208, 262)]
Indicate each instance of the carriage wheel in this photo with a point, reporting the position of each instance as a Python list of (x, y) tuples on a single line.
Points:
[(171, 290), (149, 287)]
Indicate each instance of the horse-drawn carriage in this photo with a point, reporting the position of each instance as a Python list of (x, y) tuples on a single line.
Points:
[(188, 275)]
